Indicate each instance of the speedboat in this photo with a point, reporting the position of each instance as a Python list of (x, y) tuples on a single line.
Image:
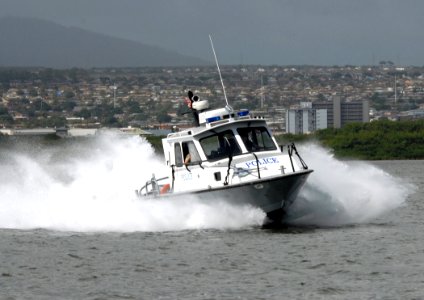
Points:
[(231, 156)]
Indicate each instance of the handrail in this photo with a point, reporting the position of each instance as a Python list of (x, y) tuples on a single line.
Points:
[(257, 164), (304, 165), (290, 148), (153, 182), (230, 159), (290, 152)]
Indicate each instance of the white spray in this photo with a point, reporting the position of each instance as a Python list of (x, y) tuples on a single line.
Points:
[(88, 187), (345, 192), (92, 188)]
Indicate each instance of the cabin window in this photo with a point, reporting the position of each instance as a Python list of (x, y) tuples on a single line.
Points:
[(256, 139), (178, 155), (220, 145), (190, 154)]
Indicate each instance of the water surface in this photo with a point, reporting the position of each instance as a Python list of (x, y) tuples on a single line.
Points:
[(71, 228)]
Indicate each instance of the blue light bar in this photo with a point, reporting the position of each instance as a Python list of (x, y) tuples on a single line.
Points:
[(213, 119), (243, 113)]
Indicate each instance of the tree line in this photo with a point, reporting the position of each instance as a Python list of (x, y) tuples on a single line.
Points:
[(378, 140)]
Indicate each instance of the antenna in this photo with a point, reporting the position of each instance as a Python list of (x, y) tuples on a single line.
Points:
[(219, 71)]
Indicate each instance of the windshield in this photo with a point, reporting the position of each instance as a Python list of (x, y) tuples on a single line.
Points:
[(220, 145), (256, 139)]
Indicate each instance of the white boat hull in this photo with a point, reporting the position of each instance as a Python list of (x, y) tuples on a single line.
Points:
[(274, 195)]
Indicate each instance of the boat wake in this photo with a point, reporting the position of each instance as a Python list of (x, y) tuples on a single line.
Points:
[(88, 185), (344, 192)]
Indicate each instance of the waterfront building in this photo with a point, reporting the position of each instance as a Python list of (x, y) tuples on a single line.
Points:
[(340, 112), (312, 116), (305, 119)]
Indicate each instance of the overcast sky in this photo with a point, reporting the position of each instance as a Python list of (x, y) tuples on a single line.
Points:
[(283, 32)]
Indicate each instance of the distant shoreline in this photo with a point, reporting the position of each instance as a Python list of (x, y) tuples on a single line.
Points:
[(380, 140)]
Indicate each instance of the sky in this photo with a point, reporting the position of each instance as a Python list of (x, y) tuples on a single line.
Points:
[(268, 32)]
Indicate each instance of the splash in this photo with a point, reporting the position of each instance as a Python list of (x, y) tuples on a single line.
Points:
[(88, 186), (343, 192)]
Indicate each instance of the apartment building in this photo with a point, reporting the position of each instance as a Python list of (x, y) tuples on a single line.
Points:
[(305, 119), (312, 116), (341, 112)]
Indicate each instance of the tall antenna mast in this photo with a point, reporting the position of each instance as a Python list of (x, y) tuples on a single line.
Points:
[(219, 71)]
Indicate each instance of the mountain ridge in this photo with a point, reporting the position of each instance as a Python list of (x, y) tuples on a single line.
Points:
[(28, 42)]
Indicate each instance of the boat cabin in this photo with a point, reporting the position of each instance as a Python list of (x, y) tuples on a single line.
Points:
[(227, 147)]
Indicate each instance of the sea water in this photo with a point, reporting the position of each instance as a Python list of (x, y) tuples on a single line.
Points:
[(71, 227)]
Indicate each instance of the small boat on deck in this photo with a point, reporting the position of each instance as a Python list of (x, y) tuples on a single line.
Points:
[(230, 156)]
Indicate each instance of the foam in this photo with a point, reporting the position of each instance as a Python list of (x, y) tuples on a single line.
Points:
[(89, 186), (345, 192)]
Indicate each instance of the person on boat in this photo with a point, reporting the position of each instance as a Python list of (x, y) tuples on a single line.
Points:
[(190, 153), (190, 100), (187, 159), (249, 144)]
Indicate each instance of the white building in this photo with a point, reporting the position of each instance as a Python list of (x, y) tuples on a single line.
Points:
[(305, 119)]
